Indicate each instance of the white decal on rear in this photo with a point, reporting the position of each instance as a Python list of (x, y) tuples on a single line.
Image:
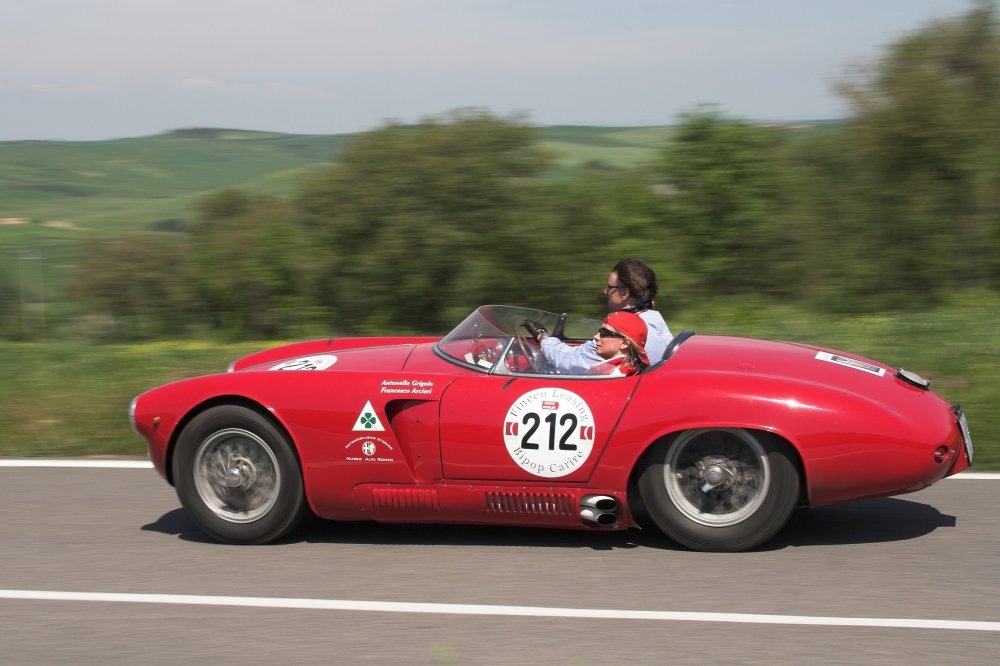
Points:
[(321, 362), (850, 363), (549, 432)]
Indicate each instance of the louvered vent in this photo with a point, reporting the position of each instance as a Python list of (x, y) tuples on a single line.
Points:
[(536, 503), (421, 499)]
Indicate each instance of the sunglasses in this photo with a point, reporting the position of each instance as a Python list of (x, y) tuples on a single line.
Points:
[(608, 333)]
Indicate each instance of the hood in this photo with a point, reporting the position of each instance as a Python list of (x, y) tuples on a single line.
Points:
[(386, 353)]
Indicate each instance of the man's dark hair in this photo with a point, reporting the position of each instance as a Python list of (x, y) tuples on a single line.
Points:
[(638, 278)]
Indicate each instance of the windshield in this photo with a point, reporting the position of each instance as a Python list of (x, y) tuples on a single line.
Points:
[(490, 333)]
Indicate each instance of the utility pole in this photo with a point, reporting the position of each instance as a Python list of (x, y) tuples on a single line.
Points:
[(22, 256)]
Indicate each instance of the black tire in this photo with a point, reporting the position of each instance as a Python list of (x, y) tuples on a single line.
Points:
[(238, 476), (720, 489)]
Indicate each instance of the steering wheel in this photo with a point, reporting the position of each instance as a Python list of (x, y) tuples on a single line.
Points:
[(526, 348)]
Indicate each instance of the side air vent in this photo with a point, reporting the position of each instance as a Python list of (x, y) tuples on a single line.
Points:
[(535, 503), (421, 499)]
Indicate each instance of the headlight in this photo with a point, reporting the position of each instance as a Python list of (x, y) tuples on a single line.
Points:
[(131, 415)]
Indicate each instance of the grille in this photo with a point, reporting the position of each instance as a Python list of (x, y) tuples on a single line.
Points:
[(421, 499), (538, 503)]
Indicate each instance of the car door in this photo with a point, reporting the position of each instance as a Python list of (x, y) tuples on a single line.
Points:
[(529, 428)]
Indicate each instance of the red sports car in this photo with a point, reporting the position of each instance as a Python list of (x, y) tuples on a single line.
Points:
[(717, 443)]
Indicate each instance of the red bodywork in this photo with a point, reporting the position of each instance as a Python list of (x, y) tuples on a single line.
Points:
[(436, 449)]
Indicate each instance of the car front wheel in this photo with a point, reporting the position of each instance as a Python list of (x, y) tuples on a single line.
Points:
[(238, 476), (720, 489)]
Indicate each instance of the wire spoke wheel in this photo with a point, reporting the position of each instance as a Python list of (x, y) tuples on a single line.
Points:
[(717, 477), (236, 474), (722, 489)]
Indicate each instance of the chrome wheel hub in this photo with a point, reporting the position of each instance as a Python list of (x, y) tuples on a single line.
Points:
[(717, 476), (233, 477), (236, 475)]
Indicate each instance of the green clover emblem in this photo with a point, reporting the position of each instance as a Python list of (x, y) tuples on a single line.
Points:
[(368, 419)]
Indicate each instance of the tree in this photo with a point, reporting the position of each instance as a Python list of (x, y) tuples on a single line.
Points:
[(926, 140), (411, 220), (724, 201), (136, 285), (251, 266)]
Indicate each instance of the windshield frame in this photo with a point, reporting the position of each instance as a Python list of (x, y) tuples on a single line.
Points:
[(485, 338)]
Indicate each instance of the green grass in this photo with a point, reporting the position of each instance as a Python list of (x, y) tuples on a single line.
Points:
[(574, 148), (71, 399), (956, 347)]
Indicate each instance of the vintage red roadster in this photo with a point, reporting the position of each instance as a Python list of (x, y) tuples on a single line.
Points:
[(717, 443)]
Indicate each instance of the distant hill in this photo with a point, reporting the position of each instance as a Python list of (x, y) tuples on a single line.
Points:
[(139, 183), (152, 182), (133, 183)]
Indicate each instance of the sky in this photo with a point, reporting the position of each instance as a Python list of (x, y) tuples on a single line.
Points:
[(88, 70)]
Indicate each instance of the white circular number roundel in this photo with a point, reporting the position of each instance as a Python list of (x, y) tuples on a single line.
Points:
[(321, 362), (549, 432)]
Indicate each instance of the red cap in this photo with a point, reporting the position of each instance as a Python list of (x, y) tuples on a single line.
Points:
[(633, 328)]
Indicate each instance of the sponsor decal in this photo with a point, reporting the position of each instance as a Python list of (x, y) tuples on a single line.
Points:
[(850, 363), (321, 362), (368, 420), (549, 432), (406, 386), (369, 448)]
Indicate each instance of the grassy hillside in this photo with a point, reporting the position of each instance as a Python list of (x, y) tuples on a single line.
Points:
[(146, 182), (67, 191), (135, 183)]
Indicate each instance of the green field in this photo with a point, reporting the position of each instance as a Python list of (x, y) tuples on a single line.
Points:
[(130, 184), (152, 182), (71, 399)]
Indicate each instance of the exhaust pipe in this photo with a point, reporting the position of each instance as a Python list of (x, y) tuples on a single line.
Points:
[(599, 502), (598, 518), (598, 510)]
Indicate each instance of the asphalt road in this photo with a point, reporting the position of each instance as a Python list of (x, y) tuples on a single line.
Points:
[(928, 556)]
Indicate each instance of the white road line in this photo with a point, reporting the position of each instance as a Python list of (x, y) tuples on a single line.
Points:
[(56, 462), (992, 476), (482, 609), (145, 464)]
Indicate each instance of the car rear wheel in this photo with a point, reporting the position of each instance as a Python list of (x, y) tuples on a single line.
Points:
[(238, 476), (720, 489)]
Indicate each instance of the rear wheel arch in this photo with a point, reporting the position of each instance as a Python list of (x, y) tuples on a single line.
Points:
[(793, 451), (788, 470)]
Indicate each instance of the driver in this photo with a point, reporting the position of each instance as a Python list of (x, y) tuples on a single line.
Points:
[(631, 288), (620, 342)]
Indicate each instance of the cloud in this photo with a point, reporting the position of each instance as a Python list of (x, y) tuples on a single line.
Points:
[(64, 89), (202, 83)]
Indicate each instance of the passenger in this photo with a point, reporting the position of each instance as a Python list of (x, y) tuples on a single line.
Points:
[(620, 343), (632, 288)]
